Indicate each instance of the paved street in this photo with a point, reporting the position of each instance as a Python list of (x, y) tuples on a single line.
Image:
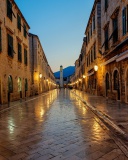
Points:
[(55, 126)]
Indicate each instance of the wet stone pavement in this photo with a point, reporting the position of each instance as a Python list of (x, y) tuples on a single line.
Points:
[(55, 126)]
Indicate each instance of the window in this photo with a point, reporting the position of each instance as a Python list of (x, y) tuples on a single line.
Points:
[(91, 56), (124, 21), (94, 26), (115, 29), (18, 22), (19, 53), (91, 30), (25, 57), (10, 45), (116, 80), (0, 41), (9, 10), (94, 51), (89, 59), (25, 32), (106, 38), (106, 5)]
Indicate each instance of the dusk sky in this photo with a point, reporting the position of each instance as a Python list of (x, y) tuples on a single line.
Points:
[(60, 25)]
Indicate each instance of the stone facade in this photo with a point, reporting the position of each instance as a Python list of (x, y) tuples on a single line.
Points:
[(86, 78), (110, 38), (42, 77), (14, 53), (115, 49)]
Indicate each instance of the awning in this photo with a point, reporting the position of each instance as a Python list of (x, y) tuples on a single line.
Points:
[(122, 56)]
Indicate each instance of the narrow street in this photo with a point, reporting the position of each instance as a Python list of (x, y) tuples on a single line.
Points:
[(55, 126)]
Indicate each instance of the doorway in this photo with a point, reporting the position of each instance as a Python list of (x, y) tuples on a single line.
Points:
[(107, 84), (117, 84)]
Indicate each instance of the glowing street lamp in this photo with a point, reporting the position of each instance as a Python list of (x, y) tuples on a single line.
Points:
[(84, 76), (96, 68), (40, 75)]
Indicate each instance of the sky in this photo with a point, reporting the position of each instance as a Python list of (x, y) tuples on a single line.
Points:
[(60, 26)]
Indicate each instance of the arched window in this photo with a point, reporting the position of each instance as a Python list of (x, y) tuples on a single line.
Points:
[(26, 84), (19, 85), (107, 81), (10, 84), (116, 80)]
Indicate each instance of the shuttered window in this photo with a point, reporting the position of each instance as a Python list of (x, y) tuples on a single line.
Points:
[(115, 29), (124, 21), (9, 10), (0, 40), (106, 38), (19, 52), (106, 4), (94, 51), (25, 57), (10, 45), (25, 32), (18, 22)]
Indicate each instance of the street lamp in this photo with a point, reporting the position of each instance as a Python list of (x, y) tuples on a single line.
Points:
[(84, 76), (96, 68), (40, 75)]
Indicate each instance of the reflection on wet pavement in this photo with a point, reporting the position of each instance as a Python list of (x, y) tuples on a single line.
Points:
[(55, 126)]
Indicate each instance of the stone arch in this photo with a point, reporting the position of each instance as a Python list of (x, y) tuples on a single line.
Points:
[(10, 86), (116, 82), (126, 85), (107, 83)]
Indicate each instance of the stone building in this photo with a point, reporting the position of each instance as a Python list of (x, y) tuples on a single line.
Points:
[(78, 78), (93, 71), (42, 77), (14, 53), (114, 49)]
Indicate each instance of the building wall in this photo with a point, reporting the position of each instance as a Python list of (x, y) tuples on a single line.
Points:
[(94, 79), (11, 66), (115, 49), (39, 66)]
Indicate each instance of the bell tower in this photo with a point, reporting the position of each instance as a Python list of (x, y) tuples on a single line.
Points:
[(61, 77)]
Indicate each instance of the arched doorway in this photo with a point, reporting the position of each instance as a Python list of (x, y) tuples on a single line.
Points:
[(10, 87), (26, 86), (117, 83), (20, 87), (107, 84), (126, 87)]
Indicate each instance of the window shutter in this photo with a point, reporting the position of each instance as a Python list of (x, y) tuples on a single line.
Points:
[(9, 10), (124, 20), (18, 22), (127, 18)]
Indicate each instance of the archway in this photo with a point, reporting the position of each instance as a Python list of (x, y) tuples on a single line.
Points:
[(26, 86), (20, 87), (107, 84), (116, 83), (10, 87)]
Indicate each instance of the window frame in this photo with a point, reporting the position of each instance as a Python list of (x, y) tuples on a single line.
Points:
[(19, 52), (10, 45), (18, 22)]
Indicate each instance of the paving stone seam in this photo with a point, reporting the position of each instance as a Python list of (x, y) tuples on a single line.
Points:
[(101, 116), (12, 107)]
